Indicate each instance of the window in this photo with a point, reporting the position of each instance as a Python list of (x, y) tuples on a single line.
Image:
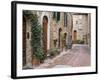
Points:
[(65, 19), (56, 16)]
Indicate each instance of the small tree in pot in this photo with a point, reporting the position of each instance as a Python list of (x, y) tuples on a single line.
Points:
[(36, 41), (37, 51)]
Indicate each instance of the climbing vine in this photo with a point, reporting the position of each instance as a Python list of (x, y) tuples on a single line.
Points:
[(35, 36)]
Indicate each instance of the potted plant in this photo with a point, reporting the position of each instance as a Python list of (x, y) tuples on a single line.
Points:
[(38, 54)]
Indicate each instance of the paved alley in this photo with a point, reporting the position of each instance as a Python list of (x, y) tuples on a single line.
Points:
[(79, 55)]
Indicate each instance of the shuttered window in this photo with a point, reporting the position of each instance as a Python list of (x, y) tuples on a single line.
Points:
[(65, 19), (56, 16)]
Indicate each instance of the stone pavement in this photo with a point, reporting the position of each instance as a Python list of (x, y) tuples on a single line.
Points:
[(79, 55)]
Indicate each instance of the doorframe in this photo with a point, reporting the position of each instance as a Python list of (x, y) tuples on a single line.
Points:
[(48, 30)]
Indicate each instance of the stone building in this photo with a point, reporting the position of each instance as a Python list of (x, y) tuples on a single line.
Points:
[(58, 31), (55, 26), (81, 27)]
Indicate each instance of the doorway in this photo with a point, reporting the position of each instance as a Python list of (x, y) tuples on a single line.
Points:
[(75, 36), (65, 36), (24, 41), (59, 39), (45, 33)]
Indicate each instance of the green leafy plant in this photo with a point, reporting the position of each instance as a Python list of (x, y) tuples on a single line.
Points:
[(27, 14), (36, 38), (35, 35), (80, 41), (53, 52)]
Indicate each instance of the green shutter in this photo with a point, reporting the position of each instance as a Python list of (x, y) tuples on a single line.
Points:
[(58, 16)]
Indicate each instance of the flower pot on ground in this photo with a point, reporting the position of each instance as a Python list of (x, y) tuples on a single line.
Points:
[(38, 57), (35, 61)]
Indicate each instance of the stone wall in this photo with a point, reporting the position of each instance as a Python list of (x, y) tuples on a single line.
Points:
[(54, 27), (81, 23)]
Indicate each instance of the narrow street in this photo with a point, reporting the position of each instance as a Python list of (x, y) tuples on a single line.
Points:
[(79, 55)]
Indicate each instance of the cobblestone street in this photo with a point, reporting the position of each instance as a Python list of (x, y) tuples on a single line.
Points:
[(79, 55)]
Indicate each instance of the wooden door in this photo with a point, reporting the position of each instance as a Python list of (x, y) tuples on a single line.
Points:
[(75, 36), (45, 33)]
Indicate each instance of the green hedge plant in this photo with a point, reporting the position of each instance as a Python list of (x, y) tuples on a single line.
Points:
[(36, 38)]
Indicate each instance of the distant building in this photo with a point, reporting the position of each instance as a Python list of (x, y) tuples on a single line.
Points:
[(81, 28)]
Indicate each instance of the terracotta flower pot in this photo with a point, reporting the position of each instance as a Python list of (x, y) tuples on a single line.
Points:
[(35, 61)]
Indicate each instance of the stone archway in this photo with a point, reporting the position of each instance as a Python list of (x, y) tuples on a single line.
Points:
[(65, 36), (75, 36), (45, 33), (59, 38)]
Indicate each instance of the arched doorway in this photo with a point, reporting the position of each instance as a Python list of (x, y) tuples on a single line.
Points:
[(75, 36), (65, 36), (45, 33), (59, 39)]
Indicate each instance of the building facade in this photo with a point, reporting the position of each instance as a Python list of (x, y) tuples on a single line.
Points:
[(59, 29), (56, 32), (81, 28)]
